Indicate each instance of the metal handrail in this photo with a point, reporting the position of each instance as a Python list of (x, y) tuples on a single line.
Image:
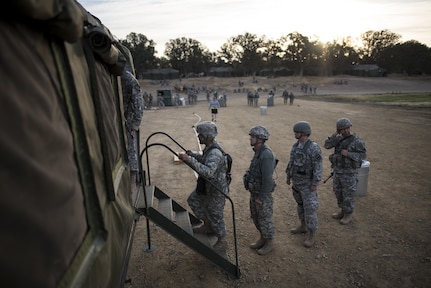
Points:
[(208, 180)]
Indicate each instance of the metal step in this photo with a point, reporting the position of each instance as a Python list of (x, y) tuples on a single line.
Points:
[(165, 207), (183, 220), (177, 221), (149, 193)]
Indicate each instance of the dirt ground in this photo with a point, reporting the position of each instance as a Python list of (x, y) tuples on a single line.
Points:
[(387, 245)]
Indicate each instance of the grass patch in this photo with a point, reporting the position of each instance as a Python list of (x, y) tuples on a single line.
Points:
[(416, 99)]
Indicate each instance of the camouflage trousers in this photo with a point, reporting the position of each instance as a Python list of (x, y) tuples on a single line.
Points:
[(307, 205), (210, 207), (132, 149), (262, 215), (344, 186)]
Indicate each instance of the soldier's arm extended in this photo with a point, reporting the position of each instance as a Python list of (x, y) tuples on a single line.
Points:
[(212, 162)]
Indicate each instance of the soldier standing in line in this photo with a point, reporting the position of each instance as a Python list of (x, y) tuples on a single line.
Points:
[(285, 96), (206, 201), (250, 98), (256, 98), (133, 112), (304, 172), (347, 159), (258, 180)]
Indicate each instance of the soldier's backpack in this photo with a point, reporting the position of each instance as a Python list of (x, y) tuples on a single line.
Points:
[(201, 183), (229, 161)]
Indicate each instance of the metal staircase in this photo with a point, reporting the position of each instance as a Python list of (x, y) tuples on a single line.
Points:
[(159, 208)]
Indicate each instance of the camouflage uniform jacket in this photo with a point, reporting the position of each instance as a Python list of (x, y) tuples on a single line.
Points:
[(212, 165), (132, 100), (305, 164), (356, 152), (259, 176)]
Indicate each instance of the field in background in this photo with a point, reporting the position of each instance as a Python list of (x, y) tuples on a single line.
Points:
[(393, 90)]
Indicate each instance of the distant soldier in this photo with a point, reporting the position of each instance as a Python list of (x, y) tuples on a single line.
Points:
[(291, 98), (285, 96), (214, 106), (160, 102), (256, 98), (208, 95), (250, 98), (150, 100)]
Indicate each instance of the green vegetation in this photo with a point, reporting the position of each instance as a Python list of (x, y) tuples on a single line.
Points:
[(292, 54), (402, 99)]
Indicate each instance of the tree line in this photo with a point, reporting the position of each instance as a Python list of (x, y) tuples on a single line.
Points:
[(249, 54)]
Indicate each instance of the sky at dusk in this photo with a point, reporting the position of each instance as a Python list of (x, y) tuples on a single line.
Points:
[(212, 23)]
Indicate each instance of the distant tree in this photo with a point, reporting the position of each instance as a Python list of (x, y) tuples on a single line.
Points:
[(374, 42), (162, 62), (187, 55), (226, 56), (243, 52), (248, 54), (271, 54), (410, 57), (229, 54), (295, 51), (142, 50), (314, 64), (340, 55)]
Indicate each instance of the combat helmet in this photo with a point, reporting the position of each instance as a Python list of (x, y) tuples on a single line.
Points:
[(207, 129), (302, 127), (343, 123), (260, 132)]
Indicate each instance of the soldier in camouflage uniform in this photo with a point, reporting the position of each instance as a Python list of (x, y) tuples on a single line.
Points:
[(208, 203), (347, 159), (258, 180), (133, 112), (304, 171)]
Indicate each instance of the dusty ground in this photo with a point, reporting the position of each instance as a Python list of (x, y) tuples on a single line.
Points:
[(389, 243)]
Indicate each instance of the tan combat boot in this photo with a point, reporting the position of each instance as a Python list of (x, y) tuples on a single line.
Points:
[(267, 247), (300, 229), (347, 218), (338, 215), (258, 244), (204, 228), (220, 245), (311, 239)]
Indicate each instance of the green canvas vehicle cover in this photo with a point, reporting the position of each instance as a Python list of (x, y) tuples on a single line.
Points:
[(65, 211)]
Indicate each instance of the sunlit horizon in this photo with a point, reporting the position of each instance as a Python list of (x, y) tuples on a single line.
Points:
[(212, 24)]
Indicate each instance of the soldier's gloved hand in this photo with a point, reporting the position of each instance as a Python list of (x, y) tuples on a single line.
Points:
[(189, 152), (184, 157)]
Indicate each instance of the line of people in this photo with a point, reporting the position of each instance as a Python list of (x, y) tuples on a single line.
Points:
[(288, 96), (303, 174)]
